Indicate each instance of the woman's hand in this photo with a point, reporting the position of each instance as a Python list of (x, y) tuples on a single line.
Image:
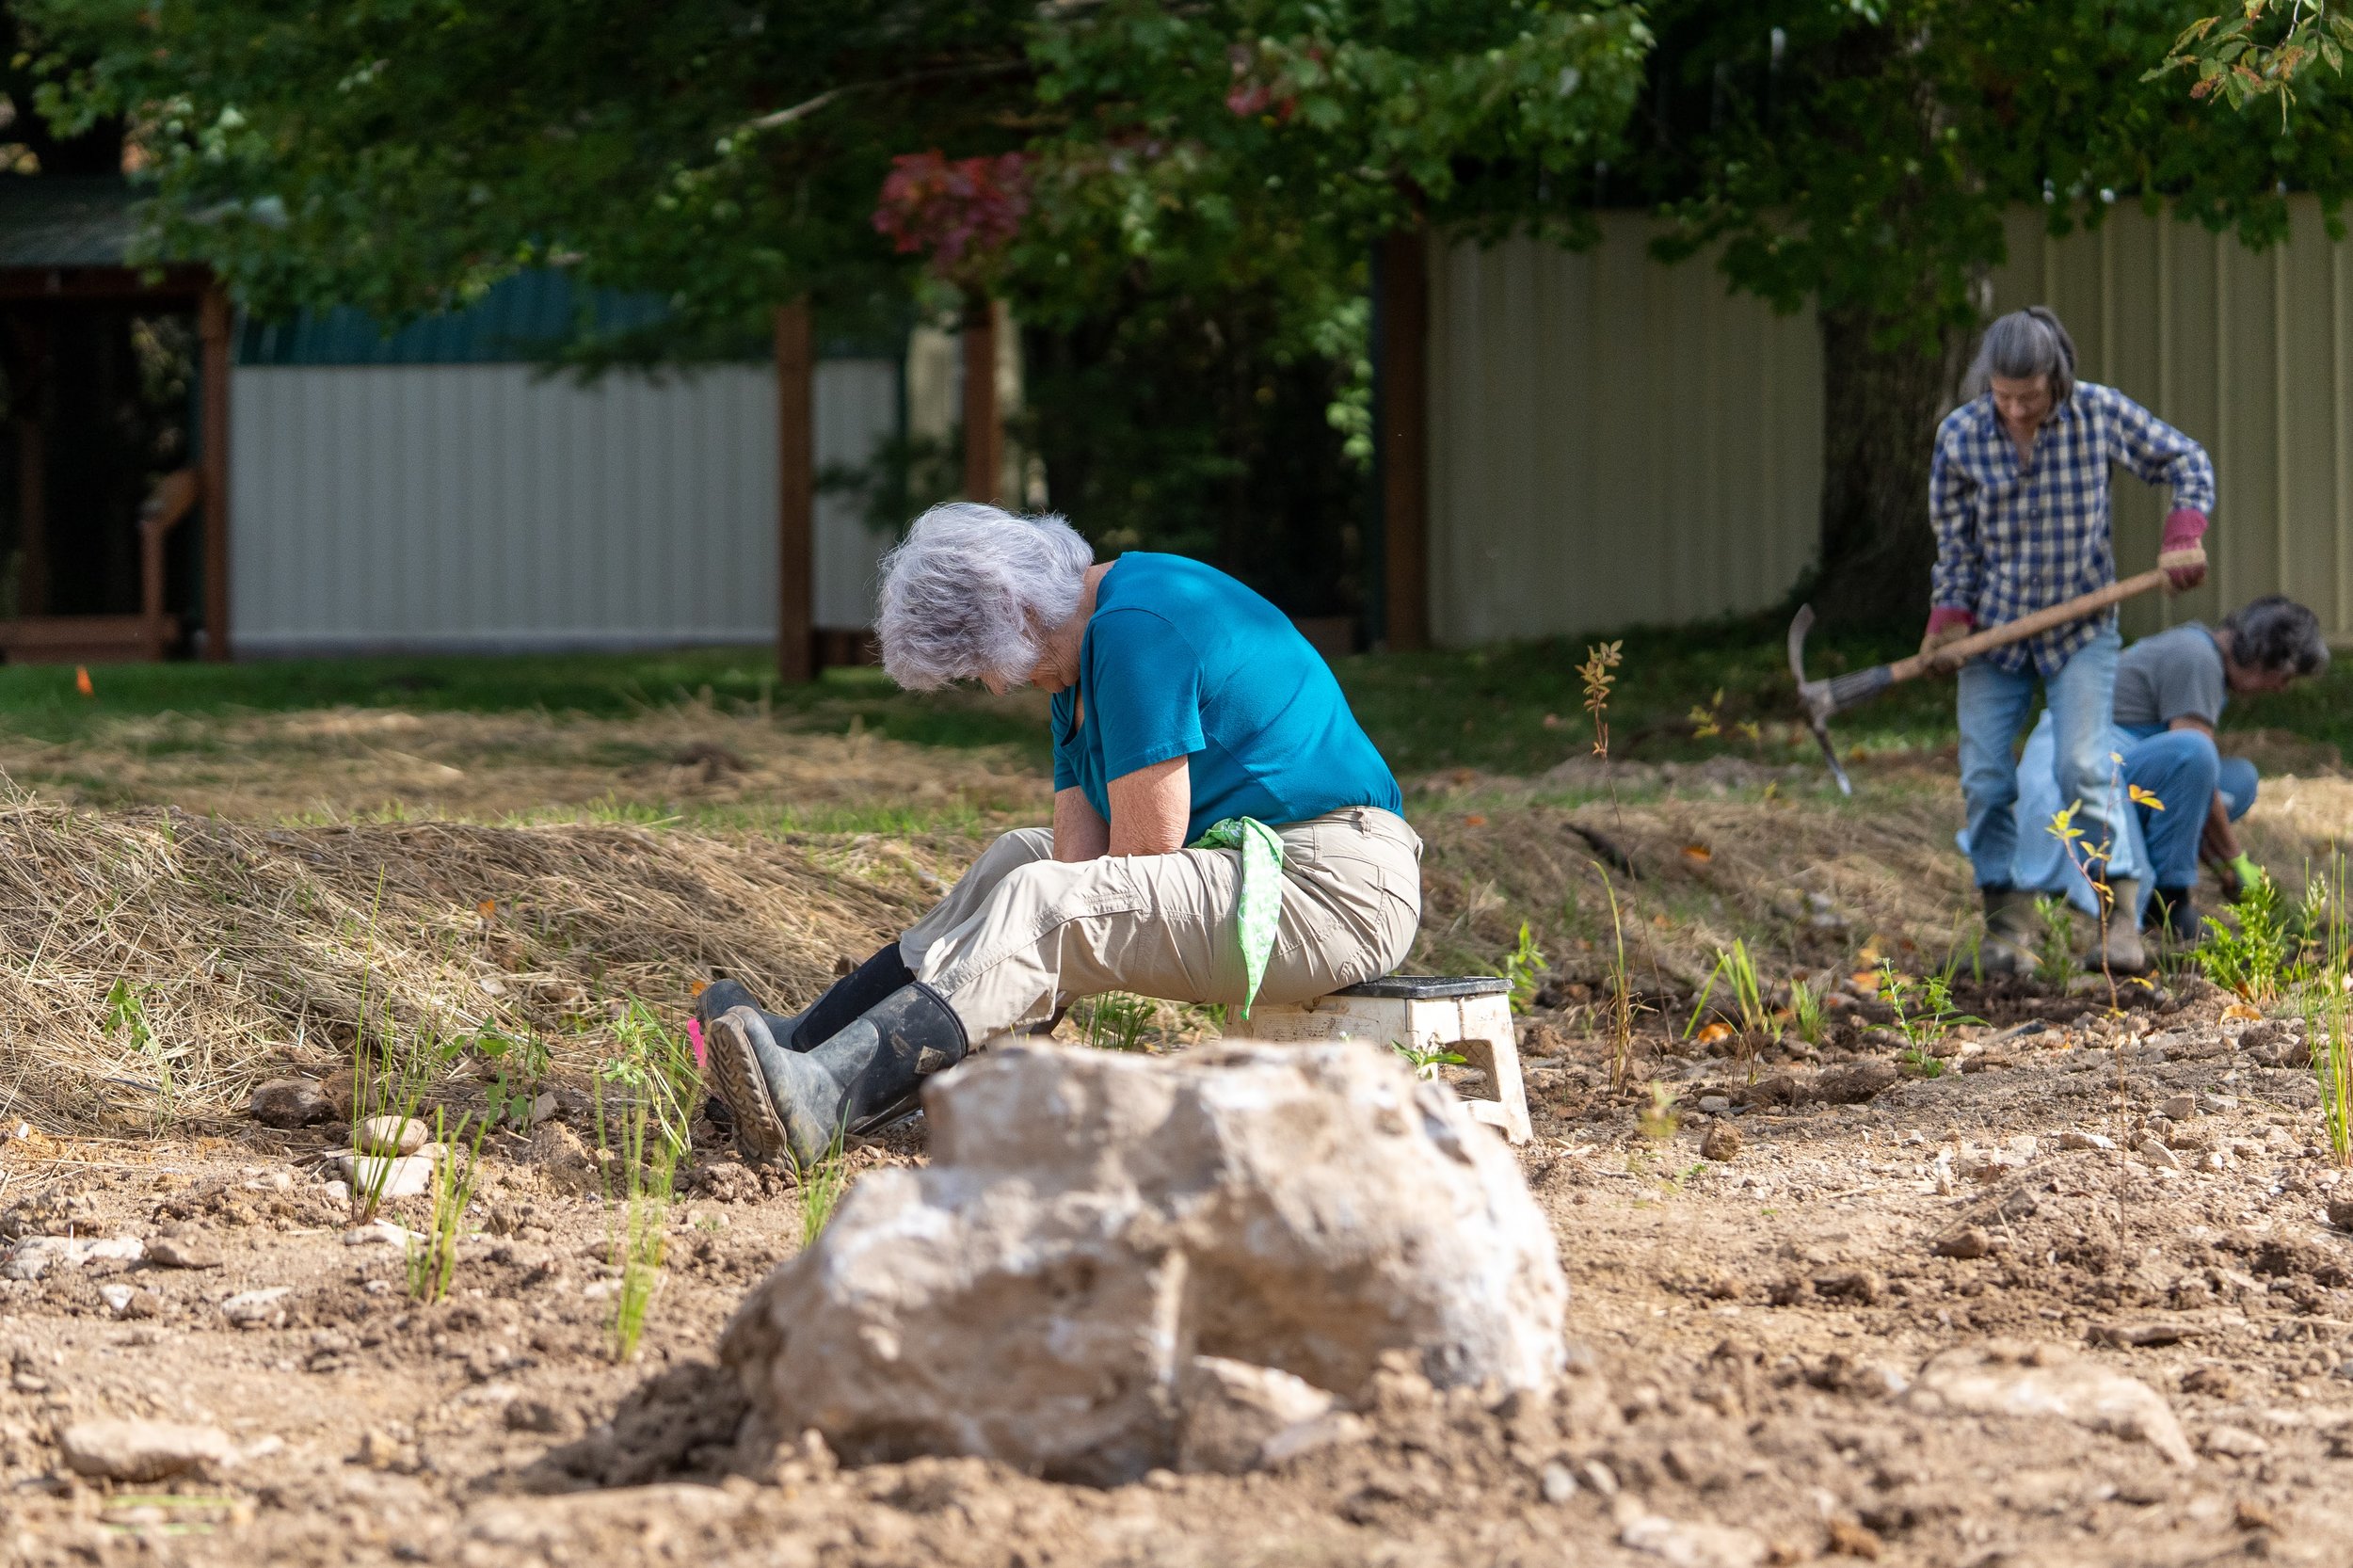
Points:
[(1150, 808)]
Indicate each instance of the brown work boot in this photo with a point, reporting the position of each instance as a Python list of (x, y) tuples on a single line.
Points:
[(2120, 949), (2009, 932)]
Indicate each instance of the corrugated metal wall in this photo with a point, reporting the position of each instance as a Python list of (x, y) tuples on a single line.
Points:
[(1615, 442), (1611, 442), (485, 506), (2247, 352)]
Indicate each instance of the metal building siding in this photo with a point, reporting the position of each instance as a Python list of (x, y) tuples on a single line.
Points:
[(1613, 441), (490, 506), (2245, 351)]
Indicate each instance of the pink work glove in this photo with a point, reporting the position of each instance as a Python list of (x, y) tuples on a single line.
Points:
[(1946, 626), (2181, 556)]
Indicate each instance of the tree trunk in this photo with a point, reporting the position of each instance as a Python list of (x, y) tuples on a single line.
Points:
[(1880, 408)]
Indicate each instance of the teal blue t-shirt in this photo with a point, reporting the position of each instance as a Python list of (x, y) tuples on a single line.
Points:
[(1179, 660)]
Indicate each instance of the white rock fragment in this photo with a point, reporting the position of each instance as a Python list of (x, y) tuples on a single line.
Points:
[(390, 1135), (385, 1179), (1684, 1544), (1233, 1411), (261, 1309), (2077, 1140), (2233, 1442), (113, 1449), (2016, 1378), (1032, 1295), (34, 1256)]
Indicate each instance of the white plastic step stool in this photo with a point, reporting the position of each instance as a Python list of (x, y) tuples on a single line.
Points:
[(1471, 1016)]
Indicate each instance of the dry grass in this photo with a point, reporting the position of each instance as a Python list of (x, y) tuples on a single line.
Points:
[(689, 759), (249, 948), (338, 866), (1805, 879)]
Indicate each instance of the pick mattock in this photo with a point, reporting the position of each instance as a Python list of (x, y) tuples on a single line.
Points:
[(1821, 698)]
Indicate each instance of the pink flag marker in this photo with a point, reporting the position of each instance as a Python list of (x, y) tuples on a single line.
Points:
[(694, 1034)]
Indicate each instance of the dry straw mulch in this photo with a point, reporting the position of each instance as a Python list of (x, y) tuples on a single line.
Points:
[(252, 949)]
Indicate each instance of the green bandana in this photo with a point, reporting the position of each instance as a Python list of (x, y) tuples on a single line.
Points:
[(1261, 909)]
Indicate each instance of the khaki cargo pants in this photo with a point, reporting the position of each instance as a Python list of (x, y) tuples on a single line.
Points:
[(1023, 929)]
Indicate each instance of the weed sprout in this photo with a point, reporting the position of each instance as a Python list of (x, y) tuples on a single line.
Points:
[(653, 1081), (433, 1257), (1521, 967), (1924, 1016), (2329, 1011), (1808, 1014), (2055, 951), (1116, 1020), (1621, 994), (1427, 1060)]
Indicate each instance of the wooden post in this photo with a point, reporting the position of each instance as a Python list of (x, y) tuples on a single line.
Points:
[(797, 494), (1404, 406), (213, 323), (32, 517), (984, 421)]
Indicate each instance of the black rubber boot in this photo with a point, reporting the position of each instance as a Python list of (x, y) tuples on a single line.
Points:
[(2178, 916), (843, 1000), (794, 1104)]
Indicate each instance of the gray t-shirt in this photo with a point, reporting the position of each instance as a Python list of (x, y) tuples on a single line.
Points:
[(2173, 675)]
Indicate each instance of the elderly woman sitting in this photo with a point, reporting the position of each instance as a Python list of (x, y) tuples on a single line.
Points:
[(1223, 830)]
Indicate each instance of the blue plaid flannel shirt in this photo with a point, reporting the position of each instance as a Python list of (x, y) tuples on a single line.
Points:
[(2009, 541)]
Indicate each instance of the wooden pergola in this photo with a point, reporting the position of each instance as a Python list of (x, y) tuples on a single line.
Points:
[(63, 248)]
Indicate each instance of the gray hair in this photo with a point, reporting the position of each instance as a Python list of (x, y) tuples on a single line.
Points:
[(2022, 345), (2275, 633), (973, 590)]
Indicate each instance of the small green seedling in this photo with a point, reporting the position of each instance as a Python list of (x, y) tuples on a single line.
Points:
[(1521, 967), (1427, 1060), (823, 1182), (1659, 1121), (2055, 949), (1807, 1014), (1924, 1016), (1739, 973), (1116, 1020), (433, 1257), (651, 1083), (126, 1014)]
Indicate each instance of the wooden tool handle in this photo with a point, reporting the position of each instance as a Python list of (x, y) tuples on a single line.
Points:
[(1956, 652)]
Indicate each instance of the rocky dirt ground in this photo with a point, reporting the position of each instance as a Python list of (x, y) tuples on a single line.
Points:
[(2075, 1299)]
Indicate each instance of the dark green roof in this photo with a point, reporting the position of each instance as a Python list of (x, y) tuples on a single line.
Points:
[(523, 318), (53, 220)]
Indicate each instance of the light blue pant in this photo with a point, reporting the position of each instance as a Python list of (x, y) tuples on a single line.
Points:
[(2182, 768), (1993, 704)]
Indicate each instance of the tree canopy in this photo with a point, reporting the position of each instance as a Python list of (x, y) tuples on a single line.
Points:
[(402, 154)]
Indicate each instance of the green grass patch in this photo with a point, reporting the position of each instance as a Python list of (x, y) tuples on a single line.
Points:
[(40, 699), (1487, 707), (1516, 707)]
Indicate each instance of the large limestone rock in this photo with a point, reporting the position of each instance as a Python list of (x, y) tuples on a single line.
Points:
[(1092, 1223)]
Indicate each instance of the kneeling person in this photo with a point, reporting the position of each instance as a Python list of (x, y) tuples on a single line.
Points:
[(2171, 689), (1223, 829)]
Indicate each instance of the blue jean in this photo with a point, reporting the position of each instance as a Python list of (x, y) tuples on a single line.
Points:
[(1994, 703), (2182, 768)]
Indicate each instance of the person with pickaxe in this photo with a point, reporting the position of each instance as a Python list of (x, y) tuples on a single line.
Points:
[(2018, 492)]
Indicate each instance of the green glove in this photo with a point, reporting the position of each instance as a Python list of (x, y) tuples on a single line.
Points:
[(1261, 903), (2248, 871)]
